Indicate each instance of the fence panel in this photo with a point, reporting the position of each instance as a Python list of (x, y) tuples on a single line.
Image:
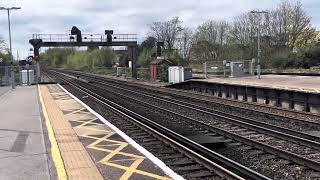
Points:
[(18, 75)]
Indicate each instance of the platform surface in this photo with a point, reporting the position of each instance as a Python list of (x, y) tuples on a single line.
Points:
[(89, 148), (23, 155), (4, 89), (308, 84)]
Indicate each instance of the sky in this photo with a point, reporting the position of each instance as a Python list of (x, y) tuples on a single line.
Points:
[(123, 16)]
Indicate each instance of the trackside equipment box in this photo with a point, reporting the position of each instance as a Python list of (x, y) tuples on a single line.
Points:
[(178, 74)]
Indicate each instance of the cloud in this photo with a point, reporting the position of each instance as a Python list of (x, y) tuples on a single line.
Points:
[(125, 16)]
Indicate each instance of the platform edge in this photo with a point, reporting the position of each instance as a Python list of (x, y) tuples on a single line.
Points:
[(141, 149), (54, 150)]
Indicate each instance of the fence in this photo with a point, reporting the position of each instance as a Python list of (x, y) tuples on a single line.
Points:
[(220, 69), (18, 75)]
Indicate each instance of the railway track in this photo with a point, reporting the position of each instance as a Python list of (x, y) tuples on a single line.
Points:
[(248, 122), (303, 151), (184, 156), (299, 121)]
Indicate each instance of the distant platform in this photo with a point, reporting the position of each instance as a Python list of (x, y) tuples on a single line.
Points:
[(299, 93), (309, 84)]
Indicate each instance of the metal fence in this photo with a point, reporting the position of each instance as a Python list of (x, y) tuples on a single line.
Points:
[(223, 68), (18, 75)]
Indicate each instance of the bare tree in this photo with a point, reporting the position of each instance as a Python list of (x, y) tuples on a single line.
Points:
[(202, 51), (301, 29), (185, 42), (167, 32), (216, 34), (3, 46), (289, 25)]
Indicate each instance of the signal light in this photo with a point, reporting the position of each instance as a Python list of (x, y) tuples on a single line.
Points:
[(77, 32), (106, 32), (109, 34)]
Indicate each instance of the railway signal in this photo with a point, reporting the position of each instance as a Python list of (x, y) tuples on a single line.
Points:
[(29, 59)]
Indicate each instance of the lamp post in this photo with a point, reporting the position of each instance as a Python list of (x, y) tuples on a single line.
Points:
[(9, 25), (259, 50)]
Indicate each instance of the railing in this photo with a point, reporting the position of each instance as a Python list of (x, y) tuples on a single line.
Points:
[(85, 37)]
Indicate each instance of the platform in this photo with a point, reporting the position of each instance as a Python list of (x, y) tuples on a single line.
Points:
[(23, 153), (298, 93), (45, 133), (287, 82), (4, 89), (89, 148)]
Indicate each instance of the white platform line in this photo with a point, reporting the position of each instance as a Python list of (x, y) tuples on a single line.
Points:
[(141, 149)]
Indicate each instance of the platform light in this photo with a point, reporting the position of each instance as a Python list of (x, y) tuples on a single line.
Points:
[(259, 50), (9, 25)]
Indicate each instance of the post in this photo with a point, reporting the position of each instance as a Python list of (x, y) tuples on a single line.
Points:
[(224, 68), (13, 80), (38, 72), (259, 66), (133, 57), (259, 50), (205, 70), (118, 72), (20, 75), (6, 74), (9, 24), (252, 66)]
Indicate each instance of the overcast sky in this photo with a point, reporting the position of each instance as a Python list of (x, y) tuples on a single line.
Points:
[(124, 16)]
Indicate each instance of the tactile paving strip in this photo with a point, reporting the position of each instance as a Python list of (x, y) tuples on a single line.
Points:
[(114, 157)]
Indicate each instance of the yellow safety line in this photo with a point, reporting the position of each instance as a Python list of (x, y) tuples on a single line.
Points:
[(55, 152), (131, 169)]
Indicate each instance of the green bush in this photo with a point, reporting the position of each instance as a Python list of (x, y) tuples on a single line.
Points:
[(56, 57), (83, 60), (163, 74), (304, 58), (145, 58)]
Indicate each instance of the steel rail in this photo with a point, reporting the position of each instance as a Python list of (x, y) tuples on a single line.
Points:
[(273, 150), (165, 90), (173, 137), (283, 133)]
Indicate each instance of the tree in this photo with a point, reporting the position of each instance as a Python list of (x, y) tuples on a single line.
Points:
[(4, 55), (203, 51), (149, 43), (3, 46), (167, 31), (145, 58), (301, 29), (56, 57), (211, 36), (185, 43)]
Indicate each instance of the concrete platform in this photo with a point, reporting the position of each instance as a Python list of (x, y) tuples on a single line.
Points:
[(4, 89), (307, 84), (23, 154), (46, 134), (89, 148), (298, 93)]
